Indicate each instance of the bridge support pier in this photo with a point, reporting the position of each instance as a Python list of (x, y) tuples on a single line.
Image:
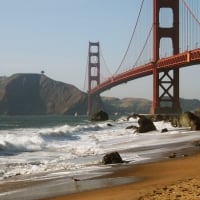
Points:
[(93, 71), (167, 100), (165, 82)]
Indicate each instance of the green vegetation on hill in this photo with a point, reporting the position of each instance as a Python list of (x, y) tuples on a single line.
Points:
[(126, 105), (140, 105)]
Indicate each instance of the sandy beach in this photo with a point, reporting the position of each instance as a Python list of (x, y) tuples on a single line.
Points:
[(176, 178)]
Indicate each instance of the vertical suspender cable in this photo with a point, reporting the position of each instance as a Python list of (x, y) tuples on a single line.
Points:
[(104, 61), (195, 17), (148, 36), (190, 11), (131, 37)]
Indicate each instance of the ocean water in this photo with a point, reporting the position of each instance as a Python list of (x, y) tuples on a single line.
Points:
[(45, 147)]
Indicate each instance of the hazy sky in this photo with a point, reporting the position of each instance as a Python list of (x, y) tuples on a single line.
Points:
[(53, 35)]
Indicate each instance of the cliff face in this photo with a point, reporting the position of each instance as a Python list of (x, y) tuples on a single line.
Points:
[(38, 94)]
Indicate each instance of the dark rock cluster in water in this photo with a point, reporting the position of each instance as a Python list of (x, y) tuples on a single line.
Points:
[(100, 116), (187, 119), (145, 124)]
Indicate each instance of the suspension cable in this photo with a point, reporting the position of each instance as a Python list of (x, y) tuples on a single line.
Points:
[(190, 11), (148, 36), (141, 6), (101, 53)]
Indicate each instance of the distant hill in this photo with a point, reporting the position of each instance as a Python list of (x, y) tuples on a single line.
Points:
[(31, 94), (126, 105), (38, 94), (140, 105), (190, 104)]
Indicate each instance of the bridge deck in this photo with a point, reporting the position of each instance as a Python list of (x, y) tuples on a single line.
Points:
[(185, 59)]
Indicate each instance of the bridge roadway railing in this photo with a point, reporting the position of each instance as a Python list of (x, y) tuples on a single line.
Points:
[(124, 77), (184, 59), (180, 60)]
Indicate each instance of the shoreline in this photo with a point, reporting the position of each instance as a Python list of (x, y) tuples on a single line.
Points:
[(167, 179), (119, 180)]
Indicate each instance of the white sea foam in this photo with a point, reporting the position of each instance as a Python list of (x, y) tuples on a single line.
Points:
[(14, 143), (73, 148)]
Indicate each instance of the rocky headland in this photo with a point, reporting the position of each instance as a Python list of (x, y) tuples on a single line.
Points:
[(39, 94)]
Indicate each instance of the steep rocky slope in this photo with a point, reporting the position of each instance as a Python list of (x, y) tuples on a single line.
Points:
[(38, 94)]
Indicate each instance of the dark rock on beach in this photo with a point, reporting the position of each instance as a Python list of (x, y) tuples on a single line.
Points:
[(112, 158)]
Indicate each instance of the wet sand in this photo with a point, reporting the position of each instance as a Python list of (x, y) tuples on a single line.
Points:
[(175, 178), (172, 178)]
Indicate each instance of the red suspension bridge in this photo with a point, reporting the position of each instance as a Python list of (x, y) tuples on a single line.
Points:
[(160, 45)]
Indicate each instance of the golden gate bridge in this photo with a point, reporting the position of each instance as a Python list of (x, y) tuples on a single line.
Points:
[(165, 38)]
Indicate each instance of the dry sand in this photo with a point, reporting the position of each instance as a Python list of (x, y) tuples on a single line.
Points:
[(166, 180)]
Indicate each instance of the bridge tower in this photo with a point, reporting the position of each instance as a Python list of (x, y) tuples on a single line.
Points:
[(166, 82), (93, 70)]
